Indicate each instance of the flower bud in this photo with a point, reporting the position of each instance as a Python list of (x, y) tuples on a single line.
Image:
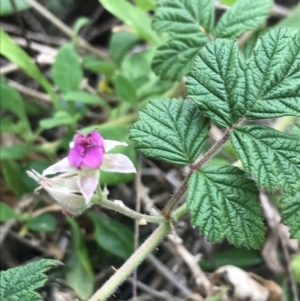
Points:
[(64, 190)]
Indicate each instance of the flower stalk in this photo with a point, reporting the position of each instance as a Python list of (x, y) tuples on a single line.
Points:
[(120, 207), (135, 259)]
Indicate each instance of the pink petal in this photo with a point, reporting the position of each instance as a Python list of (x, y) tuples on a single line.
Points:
[(110, 144), (88, 181), (93, 158), (117, 163), (61, 166), (96, 139), (76, 155)]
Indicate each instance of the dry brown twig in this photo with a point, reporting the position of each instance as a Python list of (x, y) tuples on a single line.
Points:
[(193, 263)]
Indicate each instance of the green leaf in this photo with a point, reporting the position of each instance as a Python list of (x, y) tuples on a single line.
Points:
[(172, 130), (43, 223), (15, 177), (271, 156), (291, 213), (146, 4), (125, 89), (66, 71), (239, 257), (60, 118), (292, 21), (16, 151), (7, 9), (134, 17), (216, 82), (7, 213), (120, 43), (295, 264), (223, 203), (98, 66), (80, 274), (84, 97), (228, 2), (112, 236), (21, 283), (188, 23), (273, 76), (17, 55), (266, 86), (12, 102), (244, 15), (184, 16), (79, 24), (174, 59)]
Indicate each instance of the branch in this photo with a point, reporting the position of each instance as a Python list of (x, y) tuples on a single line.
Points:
[(119, 206), (128, 267)]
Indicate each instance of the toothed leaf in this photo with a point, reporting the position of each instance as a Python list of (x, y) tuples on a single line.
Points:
[(188, 24), (216, 83), (291, 213), (271, 156), (22, 282), (223, 203), (244, 15), (273, 76), (172, 130)]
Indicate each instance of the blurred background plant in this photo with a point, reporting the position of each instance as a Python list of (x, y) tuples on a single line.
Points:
[(71, 65)]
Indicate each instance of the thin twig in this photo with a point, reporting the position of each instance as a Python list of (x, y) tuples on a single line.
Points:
[(30, 92), (66, 29), (192, 262), (37, 36), (168, 275), (149, 290)]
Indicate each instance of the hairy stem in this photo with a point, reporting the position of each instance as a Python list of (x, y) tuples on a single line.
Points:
[(135, 259), (120, 207)]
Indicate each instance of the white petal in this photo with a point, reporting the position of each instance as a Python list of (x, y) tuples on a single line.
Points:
[(61, 166), (70, 202), (88, 181), (117, 163), (110, 144)]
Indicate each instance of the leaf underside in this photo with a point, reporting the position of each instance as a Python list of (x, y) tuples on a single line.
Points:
[(223, 203), (172, 130)]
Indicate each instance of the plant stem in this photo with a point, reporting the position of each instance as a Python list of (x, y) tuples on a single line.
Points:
[(121, 208), (195, 166), (135, 259)]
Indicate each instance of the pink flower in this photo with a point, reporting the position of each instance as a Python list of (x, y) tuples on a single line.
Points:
[(87, 151), (88, 154)]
